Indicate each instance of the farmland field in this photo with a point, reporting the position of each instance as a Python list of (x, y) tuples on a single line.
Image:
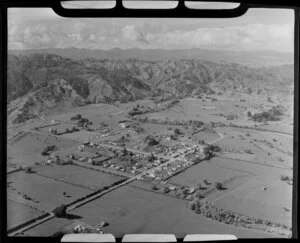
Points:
[(61, 128), (19, 213), (130, 210), (77, 175), (261, 171), (257, 146), (46, 193), (82, 136), (250, 199), (27, 149), (205, 170), (206, 136)]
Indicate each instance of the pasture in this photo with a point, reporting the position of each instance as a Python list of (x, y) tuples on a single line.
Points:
[(130, 210)]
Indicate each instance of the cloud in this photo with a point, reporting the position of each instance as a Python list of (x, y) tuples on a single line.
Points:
[(104, 34), (131, 32), (248, 37)]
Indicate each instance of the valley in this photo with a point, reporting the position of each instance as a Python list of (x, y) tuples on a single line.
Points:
[(177, 146)]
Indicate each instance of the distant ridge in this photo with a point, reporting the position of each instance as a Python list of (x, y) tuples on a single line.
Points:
[(41, 83), (254, 59)]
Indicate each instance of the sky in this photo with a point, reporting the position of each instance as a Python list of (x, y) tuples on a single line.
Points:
[(257, 29)]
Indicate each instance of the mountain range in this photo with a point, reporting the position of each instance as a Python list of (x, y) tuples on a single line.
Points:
[(254, 58), (41, 83)]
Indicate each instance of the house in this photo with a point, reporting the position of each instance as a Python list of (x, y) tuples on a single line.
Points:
[(191, 190), (172, 188), (123, 125), (82, 159), (151, 174)]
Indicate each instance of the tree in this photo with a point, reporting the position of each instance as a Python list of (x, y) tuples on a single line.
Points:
[(199, 186), (77, 117), (193, 206), (151, 140), (123, 138), (199, 195), (177, 131), (44, 153), (28, 170), (205, 181), (67, 130), (154, 188), (124, 151), (54, 131), (249, 114), (151, 158), (185, 192), (166, 190), (219, 185), (60, 211)]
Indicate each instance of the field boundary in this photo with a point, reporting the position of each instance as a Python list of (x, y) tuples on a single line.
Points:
[(259, 129), (26, 205), (100, 169), (252, 162), (160, 193), (66, 182), (224, 183)]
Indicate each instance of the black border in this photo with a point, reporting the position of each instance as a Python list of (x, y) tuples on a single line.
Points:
[(119, 11)]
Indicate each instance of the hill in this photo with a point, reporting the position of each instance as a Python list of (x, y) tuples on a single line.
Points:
[(40, 83), (254, 58)]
